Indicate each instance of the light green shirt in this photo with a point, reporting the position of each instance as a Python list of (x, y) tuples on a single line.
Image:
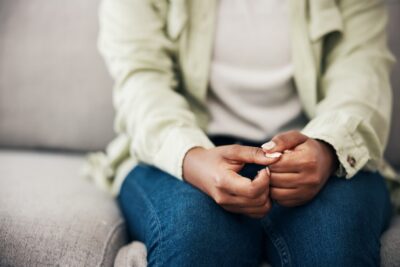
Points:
[(159, 54)]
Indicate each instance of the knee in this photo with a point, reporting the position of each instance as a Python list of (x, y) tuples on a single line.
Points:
[(338, 249), (201, 231), (201, 222), (334, 241)]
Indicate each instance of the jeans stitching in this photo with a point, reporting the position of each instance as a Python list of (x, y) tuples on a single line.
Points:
[(155, 217), (278, 242)]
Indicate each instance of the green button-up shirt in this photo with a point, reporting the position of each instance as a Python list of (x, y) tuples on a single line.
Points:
[(159, 53)]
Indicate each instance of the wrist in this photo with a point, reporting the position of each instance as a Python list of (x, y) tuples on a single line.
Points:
[(190, 158), (331, 156)]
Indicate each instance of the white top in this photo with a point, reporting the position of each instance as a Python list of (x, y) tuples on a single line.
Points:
[(252, 93)]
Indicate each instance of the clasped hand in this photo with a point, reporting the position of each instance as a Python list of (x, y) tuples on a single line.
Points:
[(297, 167)]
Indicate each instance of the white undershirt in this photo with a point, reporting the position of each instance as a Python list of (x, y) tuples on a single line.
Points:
[(252, 93)]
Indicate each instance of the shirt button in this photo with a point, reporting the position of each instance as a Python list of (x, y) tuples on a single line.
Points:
[(352, 161)]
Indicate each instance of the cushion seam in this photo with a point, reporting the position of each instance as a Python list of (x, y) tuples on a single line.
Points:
[(115, 229)]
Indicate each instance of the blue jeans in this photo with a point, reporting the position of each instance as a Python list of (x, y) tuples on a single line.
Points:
[(182, 226)]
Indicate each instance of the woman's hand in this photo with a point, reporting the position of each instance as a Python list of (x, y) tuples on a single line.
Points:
[(215, 172), (302, 170)]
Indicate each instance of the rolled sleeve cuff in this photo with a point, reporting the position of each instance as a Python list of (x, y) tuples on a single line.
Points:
[(178, 142), (340, 131)]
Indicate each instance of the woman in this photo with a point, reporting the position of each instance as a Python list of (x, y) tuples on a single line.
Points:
[(249, 130)]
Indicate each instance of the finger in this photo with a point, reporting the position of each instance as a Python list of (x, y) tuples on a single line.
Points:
[(285, 194), (250, 210), (237, 201), (261, 181), (232, 183), (289, 162), (285, 180), (241, 186), (284, 141), (247, 154)]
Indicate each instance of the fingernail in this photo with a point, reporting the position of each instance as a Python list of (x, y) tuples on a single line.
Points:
[(269, 145), (268, 171), (273, 155)]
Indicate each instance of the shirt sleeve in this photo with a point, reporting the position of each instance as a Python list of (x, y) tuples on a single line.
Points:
[(141, 59), (354, 109)]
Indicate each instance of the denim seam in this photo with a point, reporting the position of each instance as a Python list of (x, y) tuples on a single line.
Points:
[(278, 242), (155, 217)]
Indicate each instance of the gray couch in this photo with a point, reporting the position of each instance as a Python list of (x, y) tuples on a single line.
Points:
[(55, 105)]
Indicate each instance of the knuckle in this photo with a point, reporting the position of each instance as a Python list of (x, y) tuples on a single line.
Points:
[(259, 153), (220, 199), (259, 201), (296, 133), (263, 199), (252, 192), (254, 152), (235, 149), (310, 162), (313, 180), (219, 181)]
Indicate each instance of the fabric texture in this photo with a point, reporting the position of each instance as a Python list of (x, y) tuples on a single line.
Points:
[(392, 152), (346, 98), (251, 93), (49, 216), (391, 244), (389, 250), (160, 209), (132, 255), (54, 89)]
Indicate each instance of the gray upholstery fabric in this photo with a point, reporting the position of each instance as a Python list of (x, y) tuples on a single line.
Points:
[(390, 252), (49, 216), (393, 150), (132, 255), (54, 89)]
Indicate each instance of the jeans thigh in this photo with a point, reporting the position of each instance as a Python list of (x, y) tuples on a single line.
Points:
[(182, 226), (341, 226)]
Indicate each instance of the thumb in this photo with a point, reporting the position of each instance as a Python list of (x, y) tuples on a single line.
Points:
[(284, 141), (246, 154), (261, 181)]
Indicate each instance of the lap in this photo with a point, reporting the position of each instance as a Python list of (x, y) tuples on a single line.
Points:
[(340, 226), (178, 223)]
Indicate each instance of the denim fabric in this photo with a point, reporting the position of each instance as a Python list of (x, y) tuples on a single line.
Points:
[(182, 226)]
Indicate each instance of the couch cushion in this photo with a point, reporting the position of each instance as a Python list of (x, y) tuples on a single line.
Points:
[(49, 216), (54, 88), (390, 256), (392, 152)]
